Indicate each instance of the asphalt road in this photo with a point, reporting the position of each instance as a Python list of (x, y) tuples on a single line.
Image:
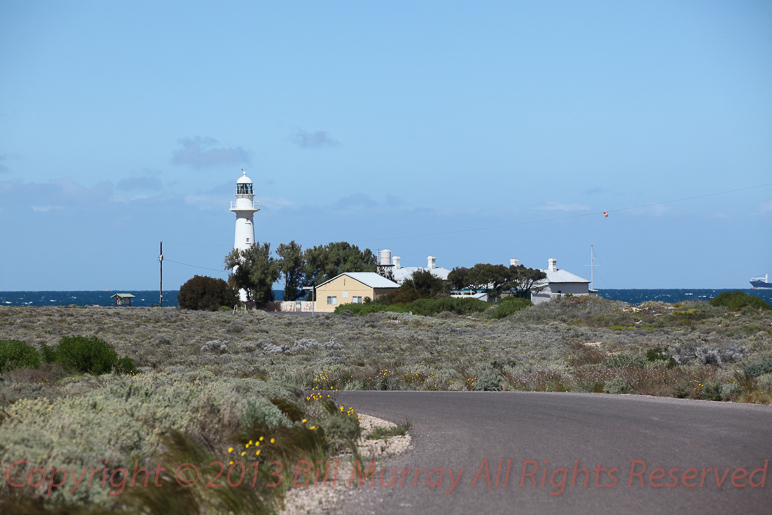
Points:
[(535, 452)]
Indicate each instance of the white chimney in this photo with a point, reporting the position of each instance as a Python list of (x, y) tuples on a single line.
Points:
[(397, 262), (385, 257), (432, 262), (553, 265), (514, 262)]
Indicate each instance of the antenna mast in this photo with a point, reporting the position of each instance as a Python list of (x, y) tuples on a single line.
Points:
[(592, 265), (161, 261)]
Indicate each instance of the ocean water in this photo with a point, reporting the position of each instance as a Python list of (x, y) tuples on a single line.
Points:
[(671, 296), (83, 298), (148, 297)]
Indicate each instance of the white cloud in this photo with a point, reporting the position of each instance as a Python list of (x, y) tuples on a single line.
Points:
[(316, 139), (276, 202), (652, 210), (207, 202), (196, 152), (554, 205), (56, 194), (594, 191), (140, 183), (356, 200)]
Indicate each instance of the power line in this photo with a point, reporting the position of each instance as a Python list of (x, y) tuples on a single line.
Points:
[(193, 266), (196, 244), (567, 217)]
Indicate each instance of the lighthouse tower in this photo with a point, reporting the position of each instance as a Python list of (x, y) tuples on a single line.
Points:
[(245, 207)]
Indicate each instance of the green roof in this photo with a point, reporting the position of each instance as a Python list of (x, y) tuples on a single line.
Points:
[(123, 296)]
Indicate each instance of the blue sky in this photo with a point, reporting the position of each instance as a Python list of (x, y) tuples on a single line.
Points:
[(471, 131)]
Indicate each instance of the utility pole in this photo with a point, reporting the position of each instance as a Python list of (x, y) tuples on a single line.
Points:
[(592, 264), (161, 261)]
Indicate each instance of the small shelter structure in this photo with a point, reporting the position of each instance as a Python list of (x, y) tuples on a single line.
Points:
[(122, 299)]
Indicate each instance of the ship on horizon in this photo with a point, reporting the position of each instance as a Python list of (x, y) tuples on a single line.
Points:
[(761, 282)]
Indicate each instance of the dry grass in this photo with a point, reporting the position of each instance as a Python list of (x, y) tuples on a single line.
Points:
[(212, 375), (403, 351)]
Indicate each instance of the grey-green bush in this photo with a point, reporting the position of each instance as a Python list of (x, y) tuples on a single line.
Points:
[(760, 367), (617, 385)]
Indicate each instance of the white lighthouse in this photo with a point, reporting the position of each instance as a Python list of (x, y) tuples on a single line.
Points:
[(245, 207)]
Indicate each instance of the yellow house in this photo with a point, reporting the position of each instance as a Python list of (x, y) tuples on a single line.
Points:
[(352, 287)]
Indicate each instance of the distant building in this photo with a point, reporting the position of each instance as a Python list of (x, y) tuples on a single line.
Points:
[(352, 287), (559, 283), (401, 273)]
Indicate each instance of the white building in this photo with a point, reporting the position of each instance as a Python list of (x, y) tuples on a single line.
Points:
[(245, 208), (352, 287), (558, 284), (401, 273)]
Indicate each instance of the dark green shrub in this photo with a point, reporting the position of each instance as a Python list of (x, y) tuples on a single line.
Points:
[(86, 355), (711, 391), (206, 293), (423, 307), (429, 307), (48, 353), (759, 368), (402, 295), (509, 305), (17, 354), (736, 300), (659, 354), (366, 309), (125, 366)]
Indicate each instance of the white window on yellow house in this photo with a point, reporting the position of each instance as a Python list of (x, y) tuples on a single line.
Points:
[(345, 294), (356, 300), (332, 300)]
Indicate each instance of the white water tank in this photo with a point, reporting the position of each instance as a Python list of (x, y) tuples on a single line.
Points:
[(432, 262), (385, 257), (397, 261), (514, 262), (553, 265)]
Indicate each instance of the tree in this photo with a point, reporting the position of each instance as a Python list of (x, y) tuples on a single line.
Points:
[(291, 266), (481, 277), (421, 285), (255, 271), (495, 278), (457, 278), (489, 278), (522, 279), (206, 293), (325, 262), (424, 280)]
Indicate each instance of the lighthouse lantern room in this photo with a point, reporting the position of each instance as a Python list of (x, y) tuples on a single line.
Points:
[(245, 207)]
